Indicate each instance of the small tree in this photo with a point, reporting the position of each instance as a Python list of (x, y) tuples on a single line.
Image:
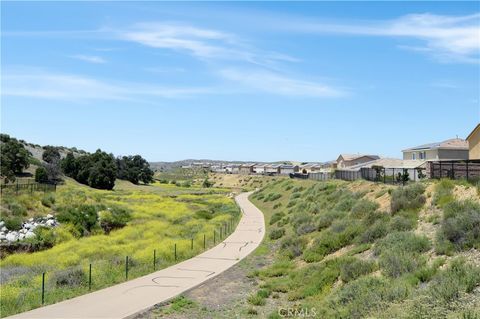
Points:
[(206, 183), (69, 165), (14, 158), (41, 175)]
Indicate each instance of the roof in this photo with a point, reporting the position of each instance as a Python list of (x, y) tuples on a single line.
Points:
[(476, 128), (247, 165), (351, 157), (391, 163), (288, 166), (272, 165), (453, 143)]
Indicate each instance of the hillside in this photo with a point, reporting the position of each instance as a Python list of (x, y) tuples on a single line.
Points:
[(353, 250)]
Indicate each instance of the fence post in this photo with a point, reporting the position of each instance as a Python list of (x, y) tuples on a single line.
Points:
[(440, 169), (126, 268), (43, 288), (175, 251), (191, 245), (214, 237), (466, 162), (204, 242), (453, 171), (90, 277), (154, 259)]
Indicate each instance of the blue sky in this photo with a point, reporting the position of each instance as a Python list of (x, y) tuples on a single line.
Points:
[(252, 81)]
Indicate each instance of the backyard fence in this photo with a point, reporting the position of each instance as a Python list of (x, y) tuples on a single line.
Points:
[(22, 188), (46, 285), (459, 169), (393, 175)]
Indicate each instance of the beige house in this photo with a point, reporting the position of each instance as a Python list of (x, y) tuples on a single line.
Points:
[(452, 149), (347, 160), (474, 143), (246, 169)]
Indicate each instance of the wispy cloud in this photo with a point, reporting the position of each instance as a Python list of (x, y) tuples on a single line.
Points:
[(275, 83), (448, 38), (89, 58), (48, 85), (200, 42)]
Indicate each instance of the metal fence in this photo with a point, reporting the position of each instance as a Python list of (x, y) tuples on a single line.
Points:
[(41, 284), (393, 175), (458, 169), (22, 188)]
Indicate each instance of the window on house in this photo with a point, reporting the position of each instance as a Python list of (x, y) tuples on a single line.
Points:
[(413, 156)]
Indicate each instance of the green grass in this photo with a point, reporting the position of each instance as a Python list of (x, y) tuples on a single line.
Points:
[(161, 216)]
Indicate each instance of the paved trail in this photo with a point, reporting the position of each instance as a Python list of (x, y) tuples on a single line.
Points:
[(129, 298)]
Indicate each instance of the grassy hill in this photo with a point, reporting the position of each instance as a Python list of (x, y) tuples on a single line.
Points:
[(160, 216), (356, 250)]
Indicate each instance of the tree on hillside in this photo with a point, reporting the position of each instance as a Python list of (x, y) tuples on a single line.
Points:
[(103, 170), (134, 169), (14, 158), (69, 165), (51, 154), (41, 175)]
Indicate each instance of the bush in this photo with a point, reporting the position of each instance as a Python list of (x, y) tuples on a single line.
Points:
[(363, 207), (276, 217), (277, 233), (44, 238), (13, 223), (378, 230), (401, 223), (443, 192), (293, 246), (48, 200), (396, 263), (408, 197), (41, 175), (256, 300), (272, 197), (83, 217), (70, 277), (460, 226), (352, 268), (404, 241), (305, 228), (113, 218)]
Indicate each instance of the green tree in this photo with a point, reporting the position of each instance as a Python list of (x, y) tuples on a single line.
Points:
[(41, 175), (51, 154), (134, 169), (69, 165), (14, 158)]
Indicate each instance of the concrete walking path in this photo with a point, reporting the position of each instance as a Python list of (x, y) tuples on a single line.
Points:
[(134, 296)]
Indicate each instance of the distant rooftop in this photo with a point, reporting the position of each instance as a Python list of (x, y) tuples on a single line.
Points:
[(454, 143), (351, 157)]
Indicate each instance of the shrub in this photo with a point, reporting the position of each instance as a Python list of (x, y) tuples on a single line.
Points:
[(378, 230), (277, 205), (272, 197), (277, 233), (305, 228), (264, 293), (401, 223), (45, 237), (69, 277), (346, 203), (13, 223), (405, 241), (276, 217), (396, 263), (293, 246), (460, 226), (443, 192), (83, 217), (256, 300), (352, 268), (113, 218), (48, 200), (41, 175), (363, 207), (408, 197)]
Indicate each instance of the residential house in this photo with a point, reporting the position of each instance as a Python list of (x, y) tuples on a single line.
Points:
[(452, 149), (288, 169), (272, 169), (232, 168), (259, 169), (473, 140), (246, 169), (348, 160), (309, 168)]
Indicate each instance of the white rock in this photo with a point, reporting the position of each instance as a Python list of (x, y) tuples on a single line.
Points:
[(3, 237), (49, 216), (4, 229), (50, 222), (27, 226), (21, 236), (11, 237), (2, 223), (30, 234), (22, 231), (31, 219)]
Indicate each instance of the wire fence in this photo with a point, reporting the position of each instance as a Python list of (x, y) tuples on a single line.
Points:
[(22, 188), (46, 284)]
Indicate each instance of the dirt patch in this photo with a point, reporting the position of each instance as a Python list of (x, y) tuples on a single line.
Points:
[(462, 192)]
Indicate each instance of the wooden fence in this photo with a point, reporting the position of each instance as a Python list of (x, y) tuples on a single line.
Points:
[(459, 169)]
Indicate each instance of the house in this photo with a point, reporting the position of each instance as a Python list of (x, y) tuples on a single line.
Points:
[(347, 160), (272, 169), (309, 168), (232, 168), (246, 169), (473, 140), (219, 168), (259, 169), (452, 149), (288, 169)]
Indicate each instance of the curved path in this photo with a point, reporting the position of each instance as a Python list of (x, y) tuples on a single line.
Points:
[(129, 298)]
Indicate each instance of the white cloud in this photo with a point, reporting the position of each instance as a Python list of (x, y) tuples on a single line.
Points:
[(275, 83), (41, 84), (200, 42), (89, 58), (449, 38)]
